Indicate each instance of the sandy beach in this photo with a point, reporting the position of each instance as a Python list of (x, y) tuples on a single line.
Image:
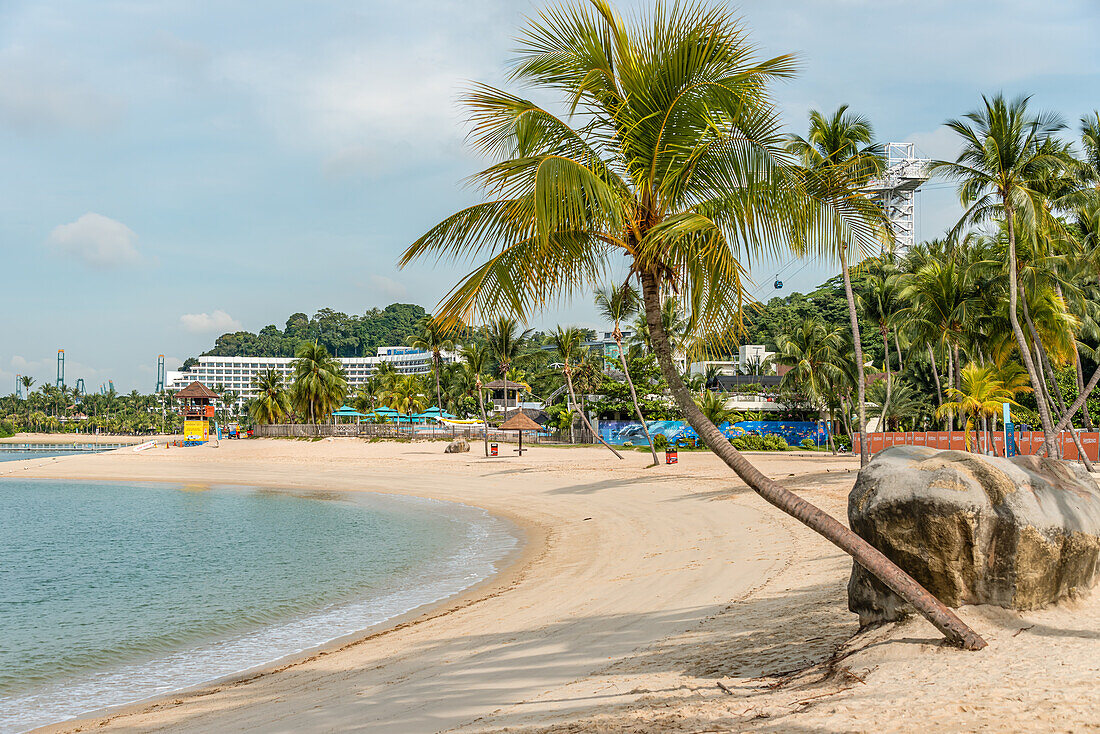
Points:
[(645, 600)]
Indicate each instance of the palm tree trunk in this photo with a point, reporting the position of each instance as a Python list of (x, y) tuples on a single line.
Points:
[(1021, 342), (1072, 410), (936, 377), (1081, 382), (866, 555), (484, 417), (897, 346), (886, 362), (438, 392), (864, 450), (634, 396), (1042, 349), (588, 425)]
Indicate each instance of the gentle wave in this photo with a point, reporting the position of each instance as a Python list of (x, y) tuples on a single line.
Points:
[(488, 541)]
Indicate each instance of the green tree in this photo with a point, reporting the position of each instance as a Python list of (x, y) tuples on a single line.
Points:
[(1004, 152), (567, 343), (432, 337), (841, 154), (617, 304), (678, 165), (319, 384), (272, 403), (713, 405)]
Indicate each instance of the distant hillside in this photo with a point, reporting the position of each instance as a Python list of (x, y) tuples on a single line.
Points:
[(342, 335)]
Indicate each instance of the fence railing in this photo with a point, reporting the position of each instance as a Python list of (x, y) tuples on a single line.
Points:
[(421, 431), (1027, 442)]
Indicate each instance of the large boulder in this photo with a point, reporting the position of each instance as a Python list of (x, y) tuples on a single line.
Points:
[(1019, 533), (458, 446)]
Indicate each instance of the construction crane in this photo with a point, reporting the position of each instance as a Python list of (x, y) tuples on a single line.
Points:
[(896, 191), (160, 374), (19, 386), (61, 368)]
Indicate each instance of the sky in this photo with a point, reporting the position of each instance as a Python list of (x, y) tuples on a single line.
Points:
[(173, 170)]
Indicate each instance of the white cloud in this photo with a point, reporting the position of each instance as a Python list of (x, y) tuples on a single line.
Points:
[(387, 288), (98, 241), (205, 323)]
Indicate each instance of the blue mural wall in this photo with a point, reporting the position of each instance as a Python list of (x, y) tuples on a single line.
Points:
[(622, 432)]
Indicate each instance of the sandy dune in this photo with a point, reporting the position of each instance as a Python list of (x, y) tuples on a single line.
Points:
[(639, 591)]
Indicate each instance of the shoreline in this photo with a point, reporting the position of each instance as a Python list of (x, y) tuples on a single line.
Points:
[(506, 572), (668, 599)]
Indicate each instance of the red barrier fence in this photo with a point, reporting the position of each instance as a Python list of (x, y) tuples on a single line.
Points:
[(1027, 442)]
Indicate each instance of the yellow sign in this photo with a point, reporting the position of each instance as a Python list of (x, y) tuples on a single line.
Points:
[(196, 431)]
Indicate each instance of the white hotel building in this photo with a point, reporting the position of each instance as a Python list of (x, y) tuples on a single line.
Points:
[(237, 373)]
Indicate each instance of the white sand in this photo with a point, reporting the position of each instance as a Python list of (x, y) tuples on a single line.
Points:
[(624, 622)]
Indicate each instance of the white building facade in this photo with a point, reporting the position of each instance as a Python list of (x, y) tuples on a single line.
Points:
[(238, 373)]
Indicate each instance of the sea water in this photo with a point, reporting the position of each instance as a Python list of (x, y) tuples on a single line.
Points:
[(115, 592)]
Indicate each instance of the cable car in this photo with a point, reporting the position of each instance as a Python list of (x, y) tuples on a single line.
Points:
[(778, 285)]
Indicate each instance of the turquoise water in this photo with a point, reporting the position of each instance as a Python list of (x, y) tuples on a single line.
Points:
[(110, 592)]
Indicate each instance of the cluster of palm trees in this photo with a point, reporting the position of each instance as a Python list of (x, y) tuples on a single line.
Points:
[(53, 409), (672, 170)]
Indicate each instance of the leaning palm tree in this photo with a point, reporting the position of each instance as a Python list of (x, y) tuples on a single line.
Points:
[(1004, 151), (678, 164), (475, 358), (271, 404), (319, 384), (616, 304), (840, 152), (432, 337), (567, 345)]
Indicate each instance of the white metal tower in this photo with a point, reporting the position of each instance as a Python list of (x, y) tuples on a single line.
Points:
[(897, 189)]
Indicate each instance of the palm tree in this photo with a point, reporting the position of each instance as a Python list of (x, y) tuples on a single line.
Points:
[(840, 152), (1004, 151), (567, 344), (27, 382), (882, 303), (981, 395), (431, 337), (319, 384), (812, 352), (271, 404), (616, 304), (679, 165), (475, 357), (406, 395), (507, 344), (713, 406)]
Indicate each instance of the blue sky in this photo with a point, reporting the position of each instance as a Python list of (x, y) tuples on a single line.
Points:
[(173, 170)]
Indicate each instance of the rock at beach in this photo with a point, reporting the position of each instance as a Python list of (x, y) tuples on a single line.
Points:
[(1018, 533), (458, 446)]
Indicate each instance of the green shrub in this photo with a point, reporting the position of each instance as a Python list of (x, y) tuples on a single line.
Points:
[(773, 442), (7, 429), (808, 443), (660, 442), (748, 442)]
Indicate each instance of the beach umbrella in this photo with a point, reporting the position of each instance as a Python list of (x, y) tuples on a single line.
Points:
[(520, 423)]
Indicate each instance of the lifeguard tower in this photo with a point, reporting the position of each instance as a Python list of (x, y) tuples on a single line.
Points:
[(197, 408)]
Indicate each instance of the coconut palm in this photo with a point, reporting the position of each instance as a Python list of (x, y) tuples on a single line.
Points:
[(882, 303), (677, 163), (319, 384), (840, 150), (1004, 151), (981, 395), (432, 337), (406, 395), (616, 304), (272, 403), (812, 352), (567, 345), (713, 405), (475, 359)]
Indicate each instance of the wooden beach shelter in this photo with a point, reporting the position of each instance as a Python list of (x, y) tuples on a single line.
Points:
[(197, 407), (520, 423)]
